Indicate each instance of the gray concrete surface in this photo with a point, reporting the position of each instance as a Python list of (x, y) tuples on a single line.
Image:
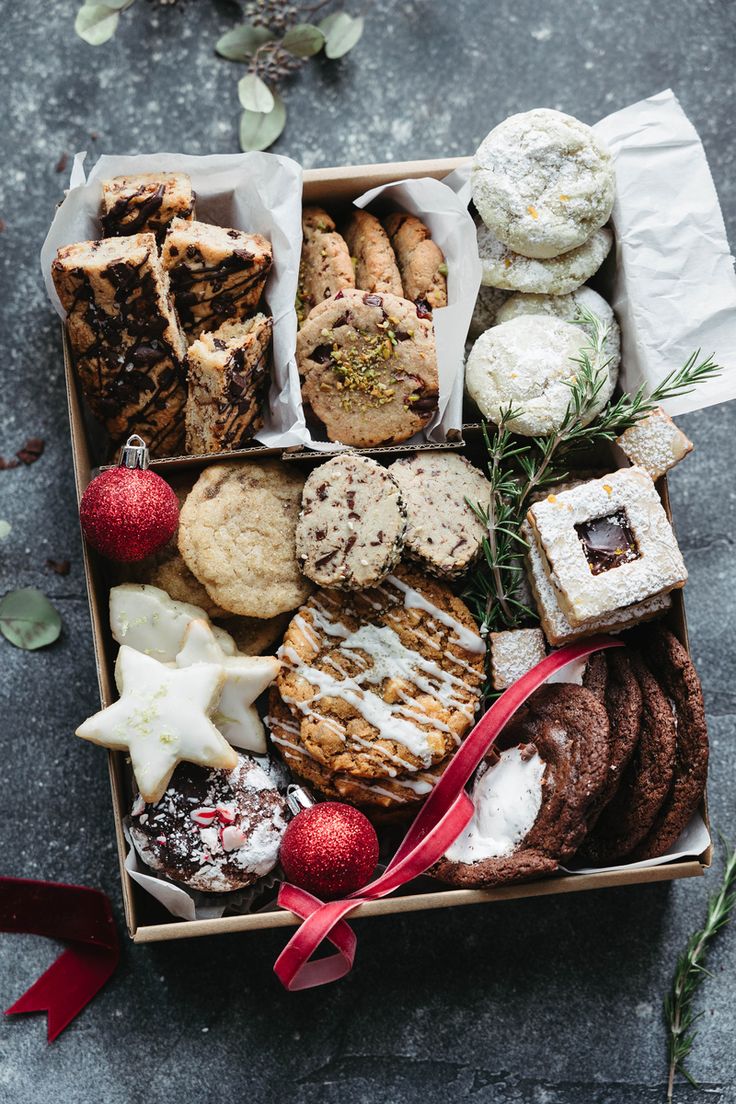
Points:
[(554, 1001)]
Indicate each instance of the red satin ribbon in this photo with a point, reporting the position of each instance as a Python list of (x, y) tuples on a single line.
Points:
[(439, 822), (76, 914)]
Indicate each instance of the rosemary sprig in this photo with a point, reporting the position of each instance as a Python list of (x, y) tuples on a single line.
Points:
[(519, 468), (690, 973)]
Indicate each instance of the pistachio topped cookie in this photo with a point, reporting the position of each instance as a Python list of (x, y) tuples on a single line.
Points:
[(369, 368)]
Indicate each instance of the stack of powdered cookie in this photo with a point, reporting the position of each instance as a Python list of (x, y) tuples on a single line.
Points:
[(366, 349), (164, 321)]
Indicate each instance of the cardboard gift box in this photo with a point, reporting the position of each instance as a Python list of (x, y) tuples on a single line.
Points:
[(147, 920)]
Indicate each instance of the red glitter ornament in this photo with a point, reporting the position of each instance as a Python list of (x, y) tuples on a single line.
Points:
[(128, 512), (329, 849)]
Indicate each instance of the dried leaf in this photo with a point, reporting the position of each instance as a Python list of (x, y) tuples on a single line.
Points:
[(31, 451), (341, 31), (62, 163), (239, 43), (7, 465), (255, 95), (61, 567), (303, 40), (96, 23), (258, 130), (28, 620)]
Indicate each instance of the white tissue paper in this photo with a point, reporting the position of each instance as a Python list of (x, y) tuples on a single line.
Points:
[(674, 287), (258, 192)]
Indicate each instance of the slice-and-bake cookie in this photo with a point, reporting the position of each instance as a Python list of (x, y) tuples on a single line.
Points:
[(372, 255), (325, 267), (421, 261), (385, 681), (236, 533), (443, 533), (529, 363), (227, 371), (350, 532), (216, 273), (543, 182), (369, 368), (145, 202), (127, 343), (502, 268), (533, 793)]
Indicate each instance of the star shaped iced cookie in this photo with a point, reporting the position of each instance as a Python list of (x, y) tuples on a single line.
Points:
[(245, 678), (162, 717), (145, 618)]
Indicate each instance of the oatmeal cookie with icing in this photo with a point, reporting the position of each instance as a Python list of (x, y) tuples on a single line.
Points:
[(325, 266), (351, 527), (421, 261), (543, 182), (504, 269), (237, 530), (443, 533), (369, 368), (386, 681), (529, 363), (372, 256), (213, 830)]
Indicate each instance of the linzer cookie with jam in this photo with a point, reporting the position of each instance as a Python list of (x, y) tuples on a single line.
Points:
[(227, 371), (351, 528), (606, 544), (385, 681), (325, 267), (216, 273), (369, 368), (213, 830), (145, 202), (126, 340), (421, 261), (533, 793)]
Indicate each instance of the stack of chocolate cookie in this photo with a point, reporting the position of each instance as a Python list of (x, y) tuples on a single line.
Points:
[(608, 771), (366, 350), (161, 293)]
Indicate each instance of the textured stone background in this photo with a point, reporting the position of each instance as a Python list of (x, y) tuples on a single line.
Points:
[(555, 1000)]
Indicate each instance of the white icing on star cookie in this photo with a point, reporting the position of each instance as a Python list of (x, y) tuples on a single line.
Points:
[(162, 717), (145, 618), (245, 678)]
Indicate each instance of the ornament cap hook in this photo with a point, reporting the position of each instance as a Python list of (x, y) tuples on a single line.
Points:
[(297, 799), (134, 453)]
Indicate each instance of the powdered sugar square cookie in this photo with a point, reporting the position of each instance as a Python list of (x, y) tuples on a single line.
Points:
[(513, 653), (655, 444), (607, 544)]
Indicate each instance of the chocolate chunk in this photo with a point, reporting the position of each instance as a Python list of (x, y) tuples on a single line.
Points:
[(607, 542)]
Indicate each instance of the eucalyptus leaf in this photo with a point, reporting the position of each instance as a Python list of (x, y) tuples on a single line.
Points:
[(239, 43), (5, 529), (255, 95), (259, 129), (96, 23), (117, 5), (28, 620), (303, 40), (342, 33)]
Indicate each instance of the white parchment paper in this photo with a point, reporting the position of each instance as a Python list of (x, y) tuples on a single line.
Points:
[(674, 288), (452, 228), (258, 192)]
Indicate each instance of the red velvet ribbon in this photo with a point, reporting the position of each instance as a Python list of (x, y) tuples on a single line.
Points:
[(439, 822), (78, 915)]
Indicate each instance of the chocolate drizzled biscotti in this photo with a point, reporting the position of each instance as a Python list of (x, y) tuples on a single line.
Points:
[(127, 343), (227, 369), (145, 202), (216, 273)]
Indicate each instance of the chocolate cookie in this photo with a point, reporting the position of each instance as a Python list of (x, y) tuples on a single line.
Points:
[(421, 261), (369, 367), (325, 265), (372, 255), (350, 532), (645, 781), (534, 793), (672, 667), (386, 680), (611, 678), (213, 830)]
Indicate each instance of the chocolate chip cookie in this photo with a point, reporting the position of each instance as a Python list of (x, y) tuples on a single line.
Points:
[(369, 368), (325, 267)]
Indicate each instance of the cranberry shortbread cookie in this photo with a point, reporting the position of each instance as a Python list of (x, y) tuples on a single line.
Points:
[(325, 267), (421, 261), (372, 256)]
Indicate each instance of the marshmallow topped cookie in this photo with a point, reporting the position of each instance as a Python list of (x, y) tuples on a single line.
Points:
[(529, 363), (543, 182)]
